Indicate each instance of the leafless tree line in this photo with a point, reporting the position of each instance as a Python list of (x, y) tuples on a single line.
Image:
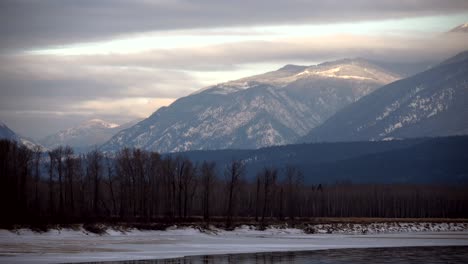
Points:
[(134, 185)]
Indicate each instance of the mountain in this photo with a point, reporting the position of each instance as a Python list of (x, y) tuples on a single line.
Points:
[(84, 136), (7, 133), (429, 104), (273, 108), (406, 69), (420, 160), (463, 28)]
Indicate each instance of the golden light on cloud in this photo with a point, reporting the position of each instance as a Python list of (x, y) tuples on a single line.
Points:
[(200, 38), (129, 70)]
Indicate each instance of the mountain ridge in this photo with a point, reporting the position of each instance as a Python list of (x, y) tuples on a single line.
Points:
[(82, 137), (8, 134), (415, 160), (430, 103), (273, 108)]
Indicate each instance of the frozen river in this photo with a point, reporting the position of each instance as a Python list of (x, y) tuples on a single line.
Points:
[(427, 255), (66, 246)]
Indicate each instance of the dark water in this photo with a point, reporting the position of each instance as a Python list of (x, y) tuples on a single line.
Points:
[(427, 255)]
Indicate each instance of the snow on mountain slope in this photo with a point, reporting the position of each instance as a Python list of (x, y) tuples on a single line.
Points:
[(278, 78), (274, 108), (7, 133), (87, 134), (358, 69), (432, 103)]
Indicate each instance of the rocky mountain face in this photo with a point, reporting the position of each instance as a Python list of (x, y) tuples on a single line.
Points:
[(274, 108), (84, 136), (429, 104)]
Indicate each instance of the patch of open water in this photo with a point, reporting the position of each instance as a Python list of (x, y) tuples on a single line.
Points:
[(399, 255)]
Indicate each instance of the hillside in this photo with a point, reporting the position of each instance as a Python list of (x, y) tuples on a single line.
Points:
[(274, 108), (428, 104), (422, 160)]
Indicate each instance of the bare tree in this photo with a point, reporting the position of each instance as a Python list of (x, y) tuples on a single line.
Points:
[(269, 178), (110, 178), (208, 175), (24, 164), (139, 185), (170, 186), (257, 197), (70, 171), (94, 159), (37, 154), (52, 160), (57, 154), (233, 174), (155, 179), (125, 174), (189, 184), (293, 183)]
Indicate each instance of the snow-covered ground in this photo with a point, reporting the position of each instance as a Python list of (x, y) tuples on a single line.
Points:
[(58, 246), (384, 227)]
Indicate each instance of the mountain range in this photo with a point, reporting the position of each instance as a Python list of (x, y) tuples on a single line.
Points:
[(428, 104), (7, 133), (343, 100), (274, 108), (86, 135)]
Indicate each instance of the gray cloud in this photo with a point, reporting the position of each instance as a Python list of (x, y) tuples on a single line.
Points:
[(38, 89), (83, 86), (229, 56), (26, 24), (80, 78), (41, 94), (37, 124)]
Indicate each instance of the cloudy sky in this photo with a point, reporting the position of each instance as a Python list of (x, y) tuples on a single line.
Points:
[(64, 62)]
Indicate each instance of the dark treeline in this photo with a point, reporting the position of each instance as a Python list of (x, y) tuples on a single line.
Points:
[(62, 187)]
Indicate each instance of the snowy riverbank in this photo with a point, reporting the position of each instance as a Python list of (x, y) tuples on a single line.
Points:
[(78, 245)]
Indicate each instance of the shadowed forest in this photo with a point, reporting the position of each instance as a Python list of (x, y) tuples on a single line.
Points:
[(60, 186)]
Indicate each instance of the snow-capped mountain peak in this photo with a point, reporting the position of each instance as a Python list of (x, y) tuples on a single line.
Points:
[(83, 136), (98, 123), (352, 69), (273, 108), (333, 73), (428, 104)]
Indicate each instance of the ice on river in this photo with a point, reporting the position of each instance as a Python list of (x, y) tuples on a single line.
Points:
[(58, 246)]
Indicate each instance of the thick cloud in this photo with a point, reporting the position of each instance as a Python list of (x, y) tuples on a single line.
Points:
[(226, 56), (41, 94), (48, 93), (41, 75), (26, 24), (132, 85)]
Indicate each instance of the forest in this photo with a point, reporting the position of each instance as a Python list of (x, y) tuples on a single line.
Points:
[(61, 186)]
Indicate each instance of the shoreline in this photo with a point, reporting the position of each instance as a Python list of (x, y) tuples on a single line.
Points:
[(68, 245), (306, 224)]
